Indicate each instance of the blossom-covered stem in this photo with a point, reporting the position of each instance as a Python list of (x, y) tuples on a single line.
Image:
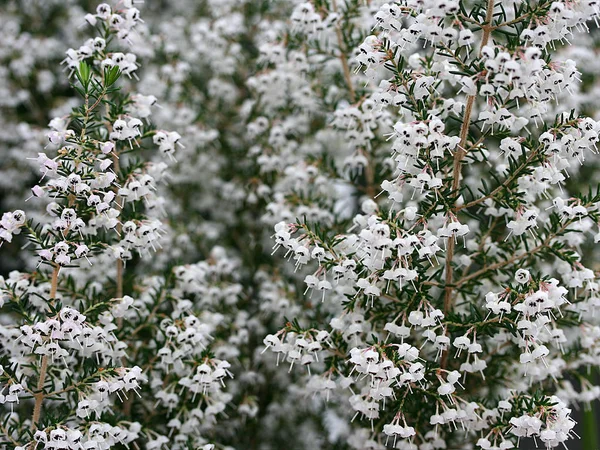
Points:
[(119, 228), (39, 395), (119, 278), (458, 157)]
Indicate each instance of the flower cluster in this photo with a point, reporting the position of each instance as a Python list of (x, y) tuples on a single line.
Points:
[(454, 268), (366, 224)]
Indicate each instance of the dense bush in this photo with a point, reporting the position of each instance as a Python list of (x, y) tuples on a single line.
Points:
[(342, 224)]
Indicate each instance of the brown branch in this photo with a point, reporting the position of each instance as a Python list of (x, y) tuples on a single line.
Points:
[(342, 56), (457, 169), (39, 395), (458, 157)]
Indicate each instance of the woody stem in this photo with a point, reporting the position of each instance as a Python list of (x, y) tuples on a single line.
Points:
[(457, 168), (343, 57), (39, 395)]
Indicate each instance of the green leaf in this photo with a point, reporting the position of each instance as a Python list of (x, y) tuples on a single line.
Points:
[(111, 75), (590, 430), (84, 75)]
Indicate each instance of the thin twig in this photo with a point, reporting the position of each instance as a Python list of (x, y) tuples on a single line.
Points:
[(505, 184), (515, 258)]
